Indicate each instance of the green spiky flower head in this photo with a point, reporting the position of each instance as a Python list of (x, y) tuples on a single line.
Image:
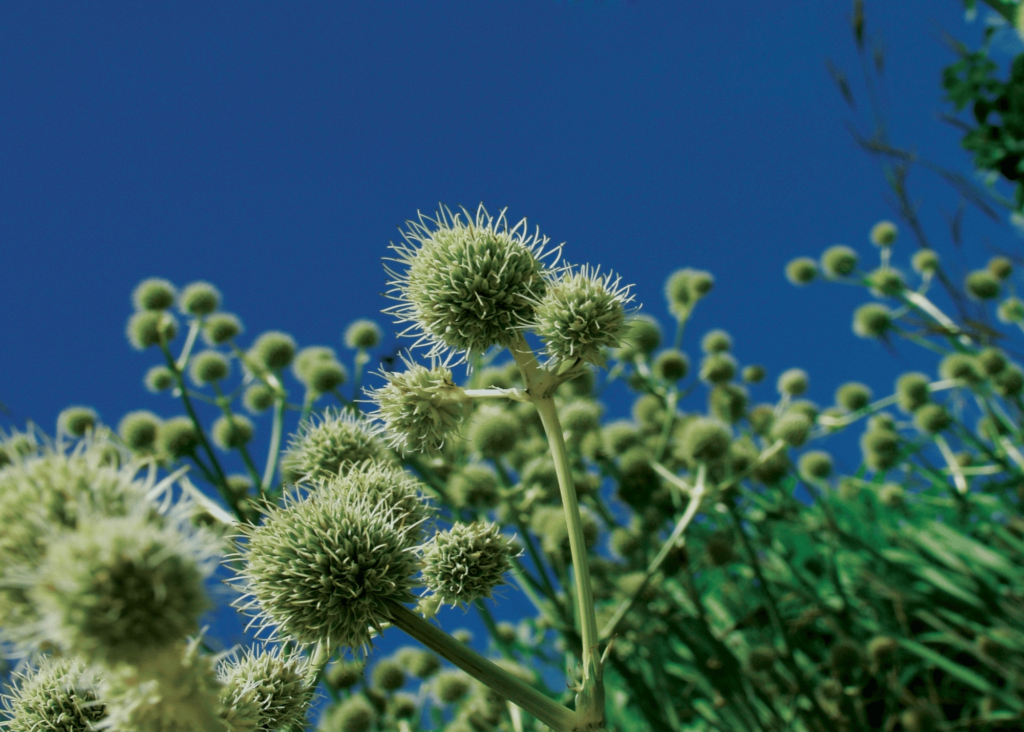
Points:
[(220, 328), (801, 271), (330, 445), (153, 294), (199, 299), (266, 690), (231, 432), (57, 695), (420, 407), (469, 281), (838, 261), (77, 421), (362, 334), (467, 562), (581, 313), (139, 429)]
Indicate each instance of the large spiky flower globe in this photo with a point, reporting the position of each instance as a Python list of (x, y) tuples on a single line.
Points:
[(324, 569), (266, 690), (581, 313), (467, 282), (387, 483), (57, 695), (121, 589), (329, 446), (467, 562), (420, 407)]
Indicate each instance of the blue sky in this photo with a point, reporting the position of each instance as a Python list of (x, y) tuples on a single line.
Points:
[(272, 148)]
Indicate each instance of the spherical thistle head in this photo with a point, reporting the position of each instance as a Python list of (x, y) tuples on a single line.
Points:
[(853, 396), (1009, 382), (77, 421), (451, 686), (717, 368), (1011, 310), (494, 431), (199, 299), (387, 484), (581, 416), (637, 478), (716, 341), (801, 271), (792, 428), (469, 282), (344, 674), (158, 379), (59, 694), (912, 391), (150, 328), (420, 407), (119, 589), (880, 448), (272, 351), (704, 440), (883, 234), (754, 374), (177, 437), (153, 294), (620, 435), (872, 320), (1001, 267), (838, 261), (325, 569), (728, 402), (932, 418), (762, 658), (793, 382), (388, 675), (328, 446), (982, 285), (992, 360), (309, 357), (274, 688), (925, 262), (467, 562), (362, 335), (418, 662), (892, 495), (221, 328), (475, 486), (258, 398), (403, 706), (354, 714), (761, 418), (139, 429), (208, 367), (325, 376), (961, 367), (642, 336), (230, 433), (677, 291), (886, 282), (815, 465)]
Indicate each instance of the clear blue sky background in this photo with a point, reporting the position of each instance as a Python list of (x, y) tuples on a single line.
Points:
[(272, 148)]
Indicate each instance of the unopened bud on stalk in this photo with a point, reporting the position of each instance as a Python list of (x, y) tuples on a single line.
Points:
[(838, 261), (801, 271), (199, 299)]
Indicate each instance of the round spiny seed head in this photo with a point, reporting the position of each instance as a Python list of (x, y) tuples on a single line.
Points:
[(199, 299), (838, 261), (882, 650), (494, 431), (232, 432), (1009, 382), (1011, 310), (153, 294), (581, 416), (704, 440), (272, 351), (119, 589), (886, 282), (853, 396), (792, 428), (418, 662), (325, 569), (362, 334), (344, 674), (717, 368), (754, 374), (329, 446), (258, 398), (801, 271), (77, 421), (762, 417), (700, 283), (581, 313), (642, 336), (177, 437), (882, 421), (815, 465), (388, 675), (58, 695), (620, 435), (383, 483), (420, 407), (883, 234), (992, 360), (468, 283), (150, 328), (637, 479), (403, 706), (475, 486), (139, 429), (872, 320), (925, 262), (677, 291), (982, 285), (354, 714), (220, 328), (716, 341), (793, 382), (158, 379), (467, 562), (880, 448), (309, 357), (728, 402), (272, 690), (1001, 267), (208, 367), (932, 418), (912, 391), (451, 686), (892, 495), (961, 367)]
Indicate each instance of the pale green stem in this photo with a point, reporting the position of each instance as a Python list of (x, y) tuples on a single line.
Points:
[(517, 395), (275, 443), (193, 331), (951, 461), (551, 713), (923, 303), (1012, 451), (243, 450), (666, 429)]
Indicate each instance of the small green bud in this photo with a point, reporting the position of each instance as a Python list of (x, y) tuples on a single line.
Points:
[(139, 429), (271, 689), (982, 285), (153, 294), (883, 234), (637, 479), (258, 398), (700, 283), (716, 341), (990, 429), (158, 379), (853, 396), (793, 382), (403, 706), (326, 376), (388, 675), (309, 357), (418, 662), (677, 291), (792, 428), (912, 391), (727, 402), (801, 271), (838, 261), (761, 419), (344, 674), (354, 714), (505, 632), (891, 495), (475, 486), (932, 418), (208, 367), (815, 465), (1011, 310), (704, 440), (420, 407), (77, 421), (273, 350), (199, 299), (1001, 267), (671, 365), (494, 431), (961, 367), (1009, 382), (239, 485), (451, 686), (882, 421), (754, 374), (362, 334), (232, 432), (872, 320), (849, 489), (761, 658), (177, 437), (467, 562), (150, 328), (880, 448), (717, 368), (220, 328), (580, 417), (773, 469), (992, 360), (649, 410), (886, 282), (925, 261), (643, 336)]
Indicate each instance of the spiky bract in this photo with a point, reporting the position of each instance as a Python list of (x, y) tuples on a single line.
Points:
[(329, 446), (420, 407), (266, 690), (57, 695), (469, 281), (467, 562)]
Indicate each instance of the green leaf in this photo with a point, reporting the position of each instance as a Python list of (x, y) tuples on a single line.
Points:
[(965, 675)]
